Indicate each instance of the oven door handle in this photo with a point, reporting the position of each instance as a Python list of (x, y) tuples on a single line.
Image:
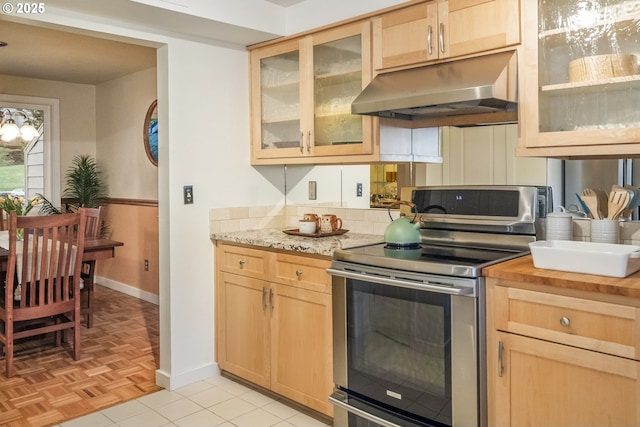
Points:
[(339, 399), (393, 281)]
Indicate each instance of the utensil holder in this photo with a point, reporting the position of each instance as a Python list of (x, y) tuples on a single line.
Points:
[(605, 231)]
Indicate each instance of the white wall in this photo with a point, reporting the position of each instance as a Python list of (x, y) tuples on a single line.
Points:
[(335, 185), (205, 144), (316, 13)]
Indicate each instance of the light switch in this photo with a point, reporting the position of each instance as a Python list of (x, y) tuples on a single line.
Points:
[(188, 194), (312, 190)]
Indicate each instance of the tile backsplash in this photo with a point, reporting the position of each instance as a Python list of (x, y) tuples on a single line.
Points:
[(366, 221)]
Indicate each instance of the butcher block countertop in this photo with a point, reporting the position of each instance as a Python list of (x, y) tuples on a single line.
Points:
[(521, 270)]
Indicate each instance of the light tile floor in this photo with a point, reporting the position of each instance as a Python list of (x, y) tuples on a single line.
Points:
[(216, 401)]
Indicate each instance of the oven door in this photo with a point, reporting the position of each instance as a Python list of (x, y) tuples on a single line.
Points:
[(405, 346)]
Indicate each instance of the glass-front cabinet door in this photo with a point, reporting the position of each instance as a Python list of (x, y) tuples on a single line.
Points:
[(341, 69), (275, 102), (301, 97), (585, 89)]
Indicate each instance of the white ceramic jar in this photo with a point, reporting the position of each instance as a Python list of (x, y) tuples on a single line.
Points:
[(559, 225)]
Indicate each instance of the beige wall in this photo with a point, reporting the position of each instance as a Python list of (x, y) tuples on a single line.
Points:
[(482, 155), (137, 227), (121, 106)]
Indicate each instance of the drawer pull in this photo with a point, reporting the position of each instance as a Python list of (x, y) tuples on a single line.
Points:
[(241, 262), (500, 365), (565, 321), (299, 273)]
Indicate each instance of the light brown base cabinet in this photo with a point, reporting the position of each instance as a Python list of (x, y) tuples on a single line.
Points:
[(559, 360), (273, 322)]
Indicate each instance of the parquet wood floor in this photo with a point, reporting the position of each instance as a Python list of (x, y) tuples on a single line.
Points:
[(120, 355)]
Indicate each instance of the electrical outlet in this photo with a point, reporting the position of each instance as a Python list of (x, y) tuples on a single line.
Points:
[(146, 265), (359, 189), (188, 194), (312, 190)]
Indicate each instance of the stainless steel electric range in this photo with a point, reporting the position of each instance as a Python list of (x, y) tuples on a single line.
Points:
[(409, 332)]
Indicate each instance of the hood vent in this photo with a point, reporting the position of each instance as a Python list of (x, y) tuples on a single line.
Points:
[(480, 85)]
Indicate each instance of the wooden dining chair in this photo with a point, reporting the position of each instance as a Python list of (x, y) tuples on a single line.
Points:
[(40, 294), (93, 229)]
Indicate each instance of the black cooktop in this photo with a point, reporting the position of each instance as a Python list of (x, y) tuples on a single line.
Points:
[(428, 258)]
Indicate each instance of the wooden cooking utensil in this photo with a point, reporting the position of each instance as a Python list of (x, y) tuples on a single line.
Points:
[(618, 202), (590, 198), (603, 200)]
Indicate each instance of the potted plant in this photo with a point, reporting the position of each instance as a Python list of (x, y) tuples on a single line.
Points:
[(84, 187)]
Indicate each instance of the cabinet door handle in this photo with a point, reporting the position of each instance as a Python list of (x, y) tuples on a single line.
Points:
[(308, 141), (301, 142), (271, 298), (500, 351), (264, 298), (441, 37), (565, 321), (241, 262), (299, 273), (429, 47)]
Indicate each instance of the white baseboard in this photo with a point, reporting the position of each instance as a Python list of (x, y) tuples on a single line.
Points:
[(172, 382), (127, 289), (163, 379)]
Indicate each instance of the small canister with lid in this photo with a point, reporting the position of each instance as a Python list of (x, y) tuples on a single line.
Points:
[(559, 225)]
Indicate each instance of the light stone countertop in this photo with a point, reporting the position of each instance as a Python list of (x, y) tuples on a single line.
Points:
[(277, 239)]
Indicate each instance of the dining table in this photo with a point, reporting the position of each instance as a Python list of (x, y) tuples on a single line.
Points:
[(95, 248)]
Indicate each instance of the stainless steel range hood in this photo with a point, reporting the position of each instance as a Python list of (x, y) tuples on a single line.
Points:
[(478, 85)]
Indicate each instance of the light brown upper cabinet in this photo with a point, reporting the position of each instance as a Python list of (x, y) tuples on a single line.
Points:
[(301, 93), (579, 81), (440, 29)]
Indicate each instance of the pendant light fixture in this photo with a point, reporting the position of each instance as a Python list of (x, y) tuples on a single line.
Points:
[(9, 130)]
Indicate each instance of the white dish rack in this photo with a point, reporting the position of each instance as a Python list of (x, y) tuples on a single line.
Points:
[(604, 259)]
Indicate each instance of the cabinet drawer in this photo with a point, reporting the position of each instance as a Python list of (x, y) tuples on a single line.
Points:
[(243, 261), (305, 272), (594, 325)]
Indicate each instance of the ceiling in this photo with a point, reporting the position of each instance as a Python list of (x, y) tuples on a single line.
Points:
[(43, 53), (50, 54)]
